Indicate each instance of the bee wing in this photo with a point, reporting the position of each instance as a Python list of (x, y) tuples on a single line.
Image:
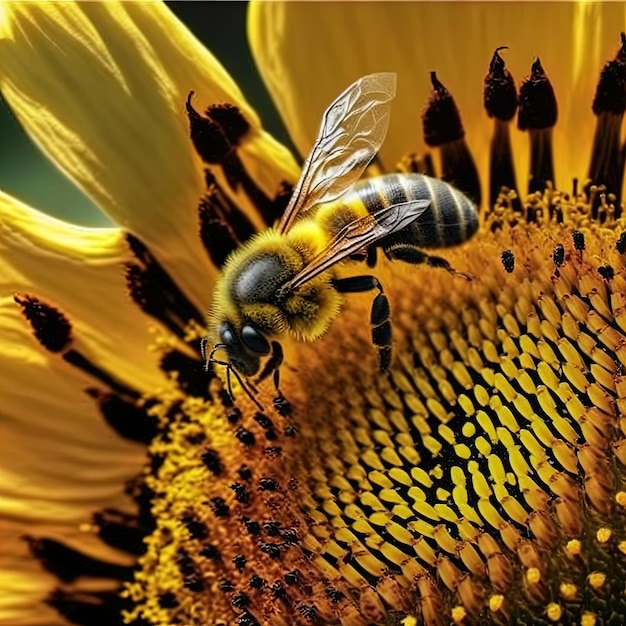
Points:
[(359, 234), (353, 129)]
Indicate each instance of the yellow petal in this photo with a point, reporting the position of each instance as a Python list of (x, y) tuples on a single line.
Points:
[(101, 88), (308, 53), (80, 270), (60, 461)]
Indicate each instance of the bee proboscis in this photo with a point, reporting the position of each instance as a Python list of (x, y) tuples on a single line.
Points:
[(284, 280)]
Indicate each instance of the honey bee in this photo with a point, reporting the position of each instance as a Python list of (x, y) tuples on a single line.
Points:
[(284, 280)]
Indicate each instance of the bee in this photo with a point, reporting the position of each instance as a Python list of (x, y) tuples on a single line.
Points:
[(284, 280)]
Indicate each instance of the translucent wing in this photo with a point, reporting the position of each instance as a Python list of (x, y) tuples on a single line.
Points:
[(359, 234), (353, 129)]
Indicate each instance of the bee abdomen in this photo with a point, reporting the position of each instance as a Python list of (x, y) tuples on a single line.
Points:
[(450, 219)]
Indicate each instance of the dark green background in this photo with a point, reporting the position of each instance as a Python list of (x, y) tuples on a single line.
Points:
[(26, 174)]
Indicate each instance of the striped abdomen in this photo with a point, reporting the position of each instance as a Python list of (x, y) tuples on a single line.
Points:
[(450, 219)]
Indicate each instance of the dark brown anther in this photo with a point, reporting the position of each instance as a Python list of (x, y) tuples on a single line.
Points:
[(607, 272), (127, 418), (579, 240), (508, 261), (223, 226), (558, 255), (52, 328), (212, 461), (500, 94), (441, 119), (239, 561), (211, 552), (282, 406), (271, 549), (120, 530), (196, 528), (96, 608), (500, 100), (154, 291), (609, 104), (207, 136), (241, 493), (68, 564), (537, 102), (231, 120), (219, 507), (442, 126), (245, 436), (268, 484), (188, 372), (256, 582), (168, 600), (537, 114)]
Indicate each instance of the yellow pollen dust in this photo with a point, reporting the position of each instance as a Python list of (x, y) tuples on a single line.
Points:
[(588, 619), (604, 535), (568, 591), (533, 575), (574, 547), (458, 614), (554, 612), (597, 580), (620, 498)]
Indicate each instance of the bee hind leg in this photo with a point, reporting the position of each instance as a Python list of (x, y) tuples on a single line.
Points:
[(414, 256), (379, 317)]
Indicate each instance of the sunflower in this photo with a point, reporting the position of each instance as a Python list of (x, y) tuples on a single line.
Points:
[(480, 481)]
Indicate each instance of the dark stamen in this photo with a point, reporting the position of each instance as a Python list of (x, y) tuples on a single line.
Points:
[(500, 94), (538, 114), (231, 120), (417, 164), (68, 564), (222, 225), (54, 332), (443, 129), (500, 100), (52, 329), (609, 104), (508, 261), (120, 530), (207, 136), (95, 608), (127, 419), (441, 119), (156, 293), (238, 177), (189, 372)]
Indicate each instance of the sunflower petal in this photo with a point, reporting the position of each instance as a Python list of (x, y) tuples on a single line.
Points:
[(61, 462), (101, 88), (80, 270), (307, 54)]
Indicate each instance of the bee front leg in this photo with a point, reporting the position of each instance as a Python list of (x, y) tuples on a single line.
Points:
[(273, 365), (380, 315), (414, 256)]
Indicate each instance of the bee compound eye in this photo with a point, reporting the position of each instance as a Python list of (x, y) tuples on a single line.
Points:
[(227, 335), (254, 340)]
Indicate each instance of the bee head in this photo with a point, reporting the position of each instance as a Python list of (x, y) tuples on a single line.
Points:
[(245, 346)]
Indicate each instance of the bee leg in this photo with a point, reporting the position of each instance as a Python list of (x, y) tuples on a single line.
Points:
[(380, 315), (414, 256), (203, 343), (371, 256), (273, 365)]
